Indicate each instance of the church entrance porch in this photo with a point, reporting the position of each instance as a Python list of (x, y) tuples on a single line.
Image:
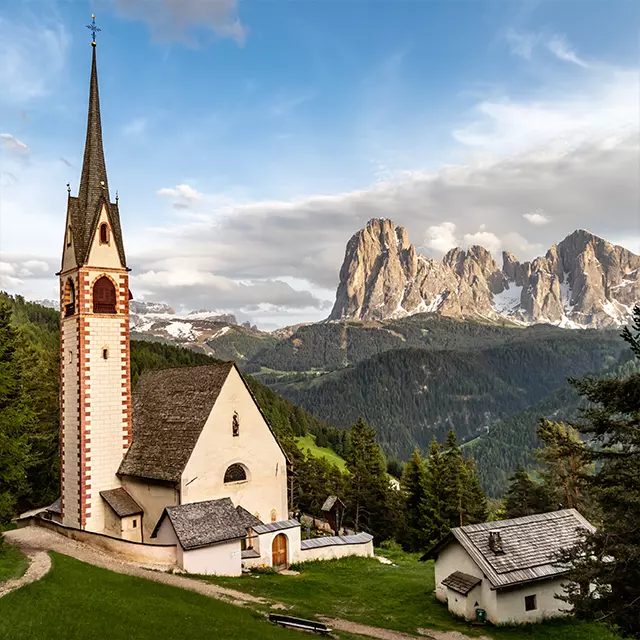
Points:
[(279, 552)]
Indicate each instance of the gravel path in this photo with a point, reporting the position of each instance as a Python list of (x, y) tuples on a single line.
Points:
[(35, 541), (39, 566)]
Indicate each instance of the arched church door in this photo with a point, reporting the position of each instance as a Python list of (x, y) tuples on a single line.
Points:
[(279, 552)]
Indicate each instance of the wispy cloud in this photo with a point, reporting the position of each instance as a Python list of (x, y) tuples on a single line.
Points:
[(523, 44), (560, 48), (182, 195), (11, 143), (33, 53), (172, 20), (285, 105)]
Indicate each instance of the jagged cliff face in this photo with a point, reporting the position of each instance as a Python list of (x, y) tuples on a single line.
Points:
[(583, 281)]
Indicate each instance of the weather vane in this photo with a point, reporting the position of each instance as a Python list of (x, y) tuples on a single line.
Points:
[(94, 29)]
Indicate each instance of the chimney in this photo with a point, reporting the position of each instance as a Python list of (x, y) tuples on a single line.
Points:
[(495, 542)]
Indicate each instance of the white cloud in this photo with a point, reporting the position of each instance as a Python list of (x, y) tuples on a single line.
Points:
[(33, 53), (179, 20), (183, 195), (136, 127), (11, 143), (486, 239), (522, 43), (440, 238), (537, 217), (560, 48)]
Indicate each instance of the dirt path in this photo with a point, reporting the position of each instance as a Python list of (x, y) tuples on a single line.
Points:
[(39, 566), (36, 541)]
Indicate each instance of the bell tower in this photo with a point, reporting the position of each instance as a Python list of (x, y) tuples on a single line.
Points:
[(95, 389)]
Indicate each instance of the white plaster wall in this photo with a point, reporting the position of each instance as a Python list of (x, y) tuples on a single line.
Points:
[(255, 447), (156, 554), (334, 552), (454, 558), (265, 541), (129, 531), (511, 602), (112, 524), (223, 559), (108, 412), (464, 606), (104, 255), (166, 533), (153, 498), (70, 417)]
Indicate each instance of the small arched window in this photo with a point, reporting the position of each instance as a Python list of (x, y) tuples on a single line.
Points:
[(235, 473), (68, 236), (235, 424), (105, 353), (104, 296), (104, 233), (69, 298)]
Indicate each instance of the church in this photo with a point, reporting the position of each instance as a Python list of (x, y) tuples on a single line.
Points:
[(188, 461)]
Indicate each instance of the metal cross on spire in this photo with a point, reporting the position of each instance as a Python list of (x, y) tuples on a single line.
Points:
[(94, 29)]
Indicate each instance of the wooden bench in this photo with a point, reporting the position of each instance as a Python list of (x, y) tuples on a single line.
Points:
[(299, 623)]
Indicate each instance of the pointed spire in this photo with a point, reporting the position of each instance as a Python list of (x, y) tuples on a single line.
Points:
[(93, 183)]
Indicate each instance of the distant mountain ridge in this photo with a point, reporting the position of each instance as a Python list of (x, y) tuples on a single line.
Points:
[(584, 281)]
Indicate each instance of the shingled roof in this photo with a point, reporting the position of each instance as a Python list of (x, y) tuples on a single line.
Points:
[(527, 549), (199, 524), (461, 582), (83, 212), (170, 408), (248, 519), (121, 502)]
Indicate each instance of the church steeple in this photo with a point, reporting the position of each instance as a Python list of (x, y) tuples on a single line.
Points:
[(93, 183), (84, 212)]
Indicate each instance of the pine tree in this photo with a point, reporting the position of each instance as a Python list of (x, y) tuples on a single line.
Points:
[(413, 484), (565, 466), (16, 418), (368, 491), (524, 497), (605, 567), (474, 500), (435, 493)]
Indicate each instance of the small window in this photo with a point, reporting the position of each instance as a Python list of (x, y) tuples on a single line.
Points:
[(530, 603), (135, 523), (104, 233), (235, 473), (235, 424), (69, 237), (69, 299), (105, 356), (70, 357)]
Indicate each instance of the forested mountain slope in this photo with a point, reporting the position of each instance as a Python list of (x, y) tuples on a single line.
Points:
[(411, 394)]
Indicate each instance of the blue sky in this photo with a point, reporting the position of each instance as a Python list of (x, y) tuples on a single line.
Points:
[(249, 140)]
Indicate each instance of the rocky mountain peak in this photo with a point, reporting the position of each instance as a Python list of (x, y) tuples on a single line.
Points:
[(582, 281)]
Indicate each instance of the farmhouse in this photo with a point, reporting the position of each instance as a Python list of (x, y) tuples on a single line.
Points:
[(185, 471), (506, 567)]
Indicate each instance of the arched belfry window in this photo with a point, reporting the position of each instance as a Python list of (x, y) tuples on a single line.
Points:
[(235, 473), (104, 233), (69, 298), (104, 296)]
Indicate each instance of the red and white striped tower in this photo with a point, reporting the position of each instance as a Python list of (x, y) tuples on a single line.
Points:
[(95, 397)]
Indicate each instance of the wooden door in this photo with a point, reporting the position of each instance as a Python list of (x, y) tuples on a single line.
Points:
[(279, 551)]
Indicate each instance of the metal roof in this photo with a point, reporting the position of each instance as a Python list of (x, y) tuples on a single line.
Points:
[(330, 541), (529, 545), (275, 526)]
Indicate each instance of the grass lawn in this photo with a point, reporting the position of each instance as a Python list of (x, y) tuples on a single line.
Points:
[(308, 444), (76, 601), (13, 563), (395, 597)]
